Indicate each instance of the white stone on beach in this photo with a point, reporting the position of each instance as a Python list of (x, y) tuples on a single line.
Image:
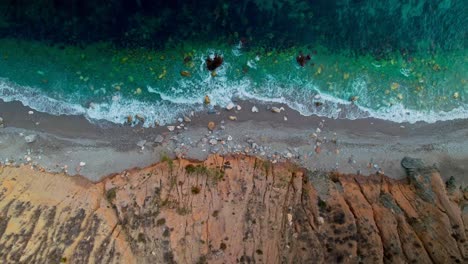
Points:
[(141, 143), (275, 109), (30, 112), (82, 164), (171, 128), (238, 107), (285, 118), (187, 119), (229, 138), (30, 138), (230, 106), (232, 118), (254, 109)]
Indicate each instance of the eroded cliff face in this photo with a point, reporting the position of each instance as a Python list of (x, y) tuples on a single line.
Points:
[(228, 210)]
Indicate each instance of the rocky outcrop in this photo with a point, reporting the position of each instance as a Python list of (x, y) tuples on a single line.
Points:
[(228, 210)]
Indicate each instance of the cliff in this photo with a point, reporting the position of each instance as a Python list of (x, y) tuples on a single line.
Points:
[(228, 210)]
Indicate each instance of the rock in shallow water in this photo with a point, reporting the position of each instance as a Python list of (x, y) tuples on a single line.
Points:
[(230, 106), (187, 119)]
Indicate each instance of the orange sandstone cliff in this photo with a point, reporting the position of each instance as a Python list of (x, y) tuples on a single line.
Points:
[(232, 209)]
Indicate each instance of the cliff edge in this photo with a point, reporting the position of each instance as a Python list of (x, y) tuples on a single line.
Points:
[(233, 209)]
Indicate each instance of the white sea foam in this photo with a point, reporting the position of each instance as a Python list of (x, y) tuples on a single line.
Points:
[(221, 92)]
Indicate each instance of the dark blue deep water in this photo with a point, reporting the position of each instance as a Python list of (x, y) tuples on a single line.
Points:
[(404, 61)]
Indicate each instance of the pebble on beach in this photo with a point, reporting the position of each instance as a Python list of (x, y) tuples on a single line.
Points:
[(275, 109), (230, 106), (171, 128), (211, 126), (254, 109), (82, 164), (30, 112), (30, 138), (232, 118)]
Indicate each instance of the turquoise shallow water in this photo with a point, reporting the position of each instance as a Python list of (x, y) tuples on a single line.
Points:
[(104, 82)]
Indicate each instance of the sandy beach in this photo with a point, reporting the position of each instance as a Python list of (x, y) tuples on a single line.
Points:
[(365, 146)]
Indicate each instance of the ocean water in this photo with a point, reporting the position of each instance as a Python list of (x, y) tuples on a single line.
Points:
[(102, 82), (373, 74)]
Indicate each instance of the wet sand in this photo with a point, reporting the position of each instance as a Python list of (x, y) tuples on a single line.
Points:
[(365, 146)]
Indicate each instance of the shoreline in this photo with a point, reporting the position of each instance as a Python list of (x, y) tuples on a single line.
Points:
[(363, 146)]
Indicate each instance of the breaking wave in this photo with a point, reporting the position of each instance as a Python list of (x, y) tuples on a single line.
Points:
[(177, 102)]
